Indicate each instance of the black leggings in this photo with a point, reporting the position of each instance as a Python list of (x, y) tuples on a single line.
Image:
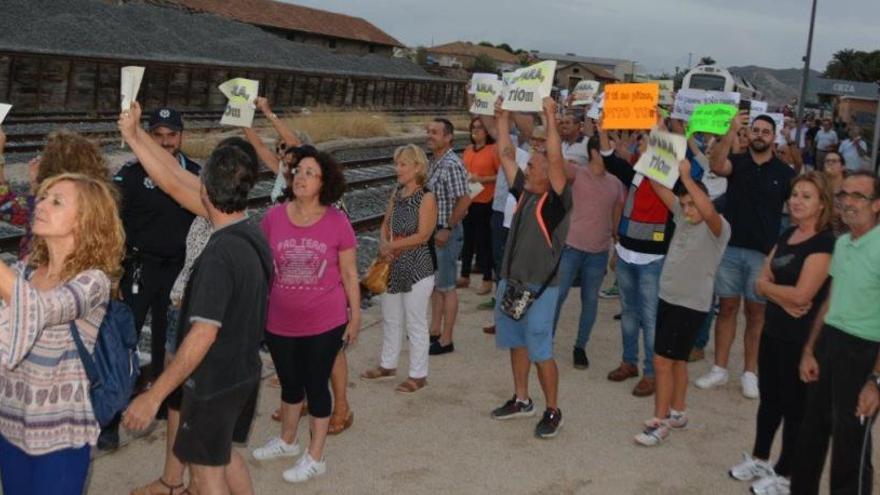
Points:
[(478, 240), (303, 365), (783, 397)]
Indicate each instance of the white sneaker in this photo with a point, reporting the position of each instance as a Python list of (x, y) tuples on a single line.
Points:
[(750, 469), (655, 432), (305, 469), (677, 420), (716, 377), (749, 383), (276, 447), (771, 485)]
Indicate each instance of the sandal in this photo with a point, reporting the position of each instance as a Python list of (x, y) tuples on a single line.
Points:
[(167, 489), (412, 385), (336, 427), (378, 373)]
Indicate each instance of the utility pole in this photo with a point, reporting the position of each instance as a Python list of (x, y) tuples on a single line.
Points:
[(875, 144), (690, 56), (805, 77)]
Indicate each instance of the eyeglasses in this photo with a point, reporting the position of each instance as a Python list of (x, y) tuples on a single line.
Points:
[(855, 196), (308, 172)]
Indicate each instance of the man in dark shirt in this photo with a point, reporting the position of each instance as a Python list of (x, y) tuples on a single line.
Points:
[(758, 185), (155, 233), (224, 314)]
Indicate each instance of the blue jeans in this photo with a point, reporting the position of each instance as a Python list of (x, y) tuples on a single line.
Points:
[(591, 267), (62, 472), (499, 239), (639, 295)]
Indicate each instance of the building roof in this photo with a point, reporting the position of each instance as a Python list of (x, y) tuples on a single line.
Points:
[(599, 72), (292, 17), (572, 58), (840, 87), (468, 49), (142, 32)]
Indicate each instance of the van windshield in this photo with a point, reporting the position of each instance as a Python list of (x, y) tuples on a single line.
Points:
[(707, 82)]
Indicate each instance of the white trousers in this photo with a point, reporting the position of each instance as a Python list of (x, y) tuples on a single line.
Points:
[(409, 309)]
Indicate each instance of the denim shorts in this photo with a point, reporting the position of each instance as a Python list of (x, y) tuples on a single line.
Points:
[(447, 260), (738, 272), (534, 330)]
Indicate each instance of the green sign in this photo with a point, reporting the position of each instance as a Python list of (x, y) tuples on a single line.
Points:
[(712, 118)]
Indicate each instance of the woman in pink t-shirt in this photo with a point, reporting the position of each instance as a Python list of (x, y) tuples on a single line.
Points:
[(314, 304)]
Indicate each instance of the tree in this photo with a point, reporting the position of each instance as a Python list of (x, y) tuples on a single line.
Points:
[(486, 43), (484, 63), (854, 65), (505, 47), (706, 61)]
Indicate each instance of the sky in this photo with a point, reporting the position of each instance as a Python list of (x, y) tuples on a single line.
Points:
[(657, 34)]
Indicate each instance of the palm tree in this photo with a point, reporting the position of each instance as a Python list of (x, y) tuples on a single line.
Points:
[(847, 64)]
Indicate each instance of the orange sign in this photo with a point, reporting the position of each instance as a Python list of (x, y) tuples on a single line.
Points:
[(630, 106)]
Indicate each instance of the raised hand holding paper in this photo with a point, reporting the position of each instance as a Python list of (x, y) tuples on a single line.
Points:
[(486, 92), (4, 111), (527, 87), (129, 84), (595, 110), (713, 118), (585, 92), (630, 106), (660, 161), (242, 94)]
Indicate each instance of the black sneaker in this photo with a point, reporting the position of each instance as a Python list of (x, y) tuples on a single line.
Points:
[(434, 338), (550, 424), (580, 359), (514, 409), (437, 348)]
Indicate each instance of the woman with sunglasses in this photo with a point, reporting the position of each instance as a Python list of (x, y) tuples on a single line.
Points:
[(314, 304)]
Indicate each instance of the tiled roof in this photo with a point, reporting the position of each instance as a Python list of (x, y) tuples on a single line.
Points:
[(600, 72), (466, 48), (294, 18)]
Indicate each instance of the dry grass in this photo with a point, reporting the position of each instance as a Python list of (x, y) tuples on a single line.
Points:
[(326, 125), (200, 146)]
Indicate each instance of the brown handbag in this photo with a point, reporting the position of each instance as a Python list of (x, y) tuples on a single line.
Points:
[(376, 278)]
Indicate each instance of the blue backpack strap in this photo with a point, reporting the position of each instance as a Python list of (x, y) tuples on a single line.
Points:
[(84, 356)]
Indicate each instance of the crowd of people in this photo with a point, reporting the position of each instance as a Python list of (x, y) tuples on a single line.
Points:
[(545, 202)]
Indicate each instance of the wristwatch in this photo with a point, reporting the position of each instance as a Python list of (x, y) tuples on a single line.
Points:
[(875, 379)]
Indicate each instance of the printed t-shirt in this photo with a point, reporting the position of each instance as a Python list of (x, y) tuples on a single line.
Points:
[(307, 297), (485, 163), (786, 265), (694, 254)]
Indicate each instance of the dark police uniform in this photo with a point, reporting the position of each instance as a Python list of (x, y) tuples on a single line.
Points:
[(155, 234)]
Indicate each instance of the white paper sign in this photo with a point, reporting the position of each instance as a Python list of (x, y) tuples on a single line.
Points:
[(687, 99), (486, 92), (596, 108), (4, 111), (758, 106), (129, 84), (529, 86), (667, 91), (585, 92), (479, 76), (660, 161), (475, 188), (242, 94)]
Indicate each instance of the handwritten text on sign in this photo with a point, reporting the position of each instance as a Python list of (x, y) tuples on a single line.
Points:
[(241, 93), (630, 106), (688, 99), (486, 92), (660, 161), (584, 92), (527, 87), (712, 118)]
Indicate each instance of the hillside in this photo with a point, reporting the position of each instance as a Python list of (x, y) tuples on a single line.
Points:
[(778, 85)]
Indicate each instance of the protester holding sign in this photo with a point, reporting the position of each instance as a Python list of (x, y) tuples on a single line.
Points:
[(280, 161), (528, 291), (701, 235), (757, 188)]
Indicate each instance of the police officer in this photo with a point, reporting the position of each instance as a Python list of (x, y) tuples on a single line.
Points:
[(155, 234)]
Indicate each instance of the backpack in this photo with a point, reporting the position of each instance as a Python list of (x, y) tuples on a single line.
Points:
[(114, 369)]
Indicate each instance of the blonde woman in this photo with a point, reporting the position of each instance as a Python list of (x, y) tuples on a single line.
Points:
[(47, 423), (406, 232)]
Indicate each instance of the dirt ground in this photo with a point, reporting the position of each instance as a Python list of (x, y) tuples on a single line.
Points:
[(442, 440)]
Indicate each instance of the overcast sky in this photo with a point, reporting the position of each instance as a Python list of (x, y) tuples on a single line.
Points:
[(658, 34)]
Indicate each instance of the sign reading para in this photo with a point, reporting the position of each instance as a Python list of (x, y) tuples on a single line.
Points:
[(527, 87), (242, 94), (660, 161), (479, 76), (713, 118), (486, 92), (585, 92), (129, 83), (687, 99), (630, 106), (4, 111)]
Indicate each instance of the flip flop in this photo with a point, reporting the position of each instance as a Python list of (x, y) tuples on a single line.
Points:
[(169, 489), (338, 427)]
